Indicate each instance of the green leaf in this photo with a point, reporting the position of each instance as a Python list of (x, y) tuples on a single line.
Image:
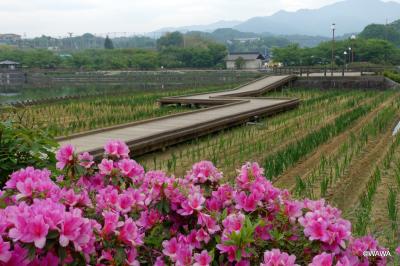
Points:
[(238, 255), (52, 234), (62, 253), (120, 256), (31, 251)]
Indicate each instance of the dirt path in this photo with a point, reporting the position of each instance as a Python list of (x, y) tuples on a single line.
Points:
[(304, 168)]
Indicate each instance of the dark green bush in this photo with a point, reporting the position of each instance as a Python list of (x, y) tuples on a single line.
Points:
[(392, 75), (21, 147)]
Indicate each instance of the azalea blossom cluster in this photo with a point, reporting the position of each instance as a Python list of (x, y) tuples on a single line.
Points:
[(116, 213)]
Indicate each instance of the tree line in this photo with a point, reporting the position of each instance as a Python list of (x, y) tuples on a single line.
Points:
[(171, 52), (360, 50)]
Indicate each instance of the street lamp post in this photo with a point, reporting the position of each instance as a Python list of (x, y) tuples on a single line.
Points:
[(353, 38), (349, 55), (333, 28), (345, 59)]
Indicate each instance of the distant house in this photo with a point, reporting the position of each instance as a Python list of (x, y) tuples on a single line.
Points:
[(9, 38), (247, 60), (10, 65)]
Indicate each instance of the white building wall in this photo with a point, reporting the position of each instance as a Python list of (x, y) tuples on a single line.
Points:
[(230, 65), (249, 64)]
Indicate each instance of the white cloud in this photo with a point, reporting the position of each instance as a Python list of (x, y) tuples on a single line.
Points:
[(57, 17)]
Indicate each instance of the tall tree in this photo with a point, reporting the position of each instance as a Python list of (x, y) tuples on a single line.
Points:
[(172, 39), (108, 44), (239, 62)]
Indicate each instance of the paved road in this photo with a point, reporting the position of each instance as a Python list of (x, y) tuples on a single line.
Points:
[(156, 133)]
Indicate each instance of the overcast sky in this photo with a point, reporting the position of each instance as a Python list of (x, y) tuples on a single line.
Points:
[(57, 17)]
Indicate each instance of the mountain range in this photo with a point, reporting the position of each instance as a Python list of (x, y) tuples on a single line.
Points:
[(350, 16), (206, 28)]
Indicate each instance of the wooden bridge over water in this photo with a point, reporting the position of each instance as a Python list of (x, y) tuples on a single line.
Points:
[(229, 108)]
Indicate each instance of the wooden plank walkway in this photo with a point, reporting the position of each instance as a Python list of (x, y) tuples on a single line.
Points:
[(149, 135)]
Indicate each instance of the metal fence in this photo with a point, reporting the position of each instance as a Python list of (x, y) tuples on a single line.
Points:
[(327, 71)]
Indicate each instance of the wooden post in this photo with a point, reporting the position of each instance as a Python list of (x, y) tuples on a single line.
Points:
[(325, 71), (301, 71)]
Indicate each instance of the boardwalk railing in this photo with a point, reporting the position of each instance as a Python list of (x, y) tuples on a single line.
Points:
[(327, 71)]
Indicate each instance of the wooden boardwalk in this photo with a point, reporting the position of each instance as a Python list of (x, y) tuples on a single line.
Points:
[(234, 107)]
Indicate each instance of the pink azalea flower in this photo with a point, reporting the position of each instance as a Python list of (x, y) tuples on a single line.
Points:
[(65, 156), (323, 259), (18, 256), (106, 167), (358, 246), (116, 148), (277, 258), (170, 248), (5, 253), (293, 209), (131, 257), (344, 261), (159, 261), (149, 218), (106, 255), (184, 255), (129, 234), (193, 203), (204, 171), (38, 230), (202, 259), (111, 222), (247, 203), (125, 202), (70, 198), (25, 188), (49, 260), (248, 173), (85, 160), (224, 195), (229, 250), (70, 228), (202, 236), (130, 168), (126, 166), (243, 263), (233, 223), (210, 223)]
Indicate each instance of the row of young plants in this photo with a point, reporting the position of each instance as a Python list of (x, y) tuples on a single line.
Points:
[(231, 148), (73, 116), (384, 213), (332, 168), (116, 213), (363, 211), (277, 163)]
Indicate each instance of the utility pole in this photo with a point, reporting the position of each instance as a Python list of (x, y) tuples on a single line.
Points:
[(333, 28), (70, 40)]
